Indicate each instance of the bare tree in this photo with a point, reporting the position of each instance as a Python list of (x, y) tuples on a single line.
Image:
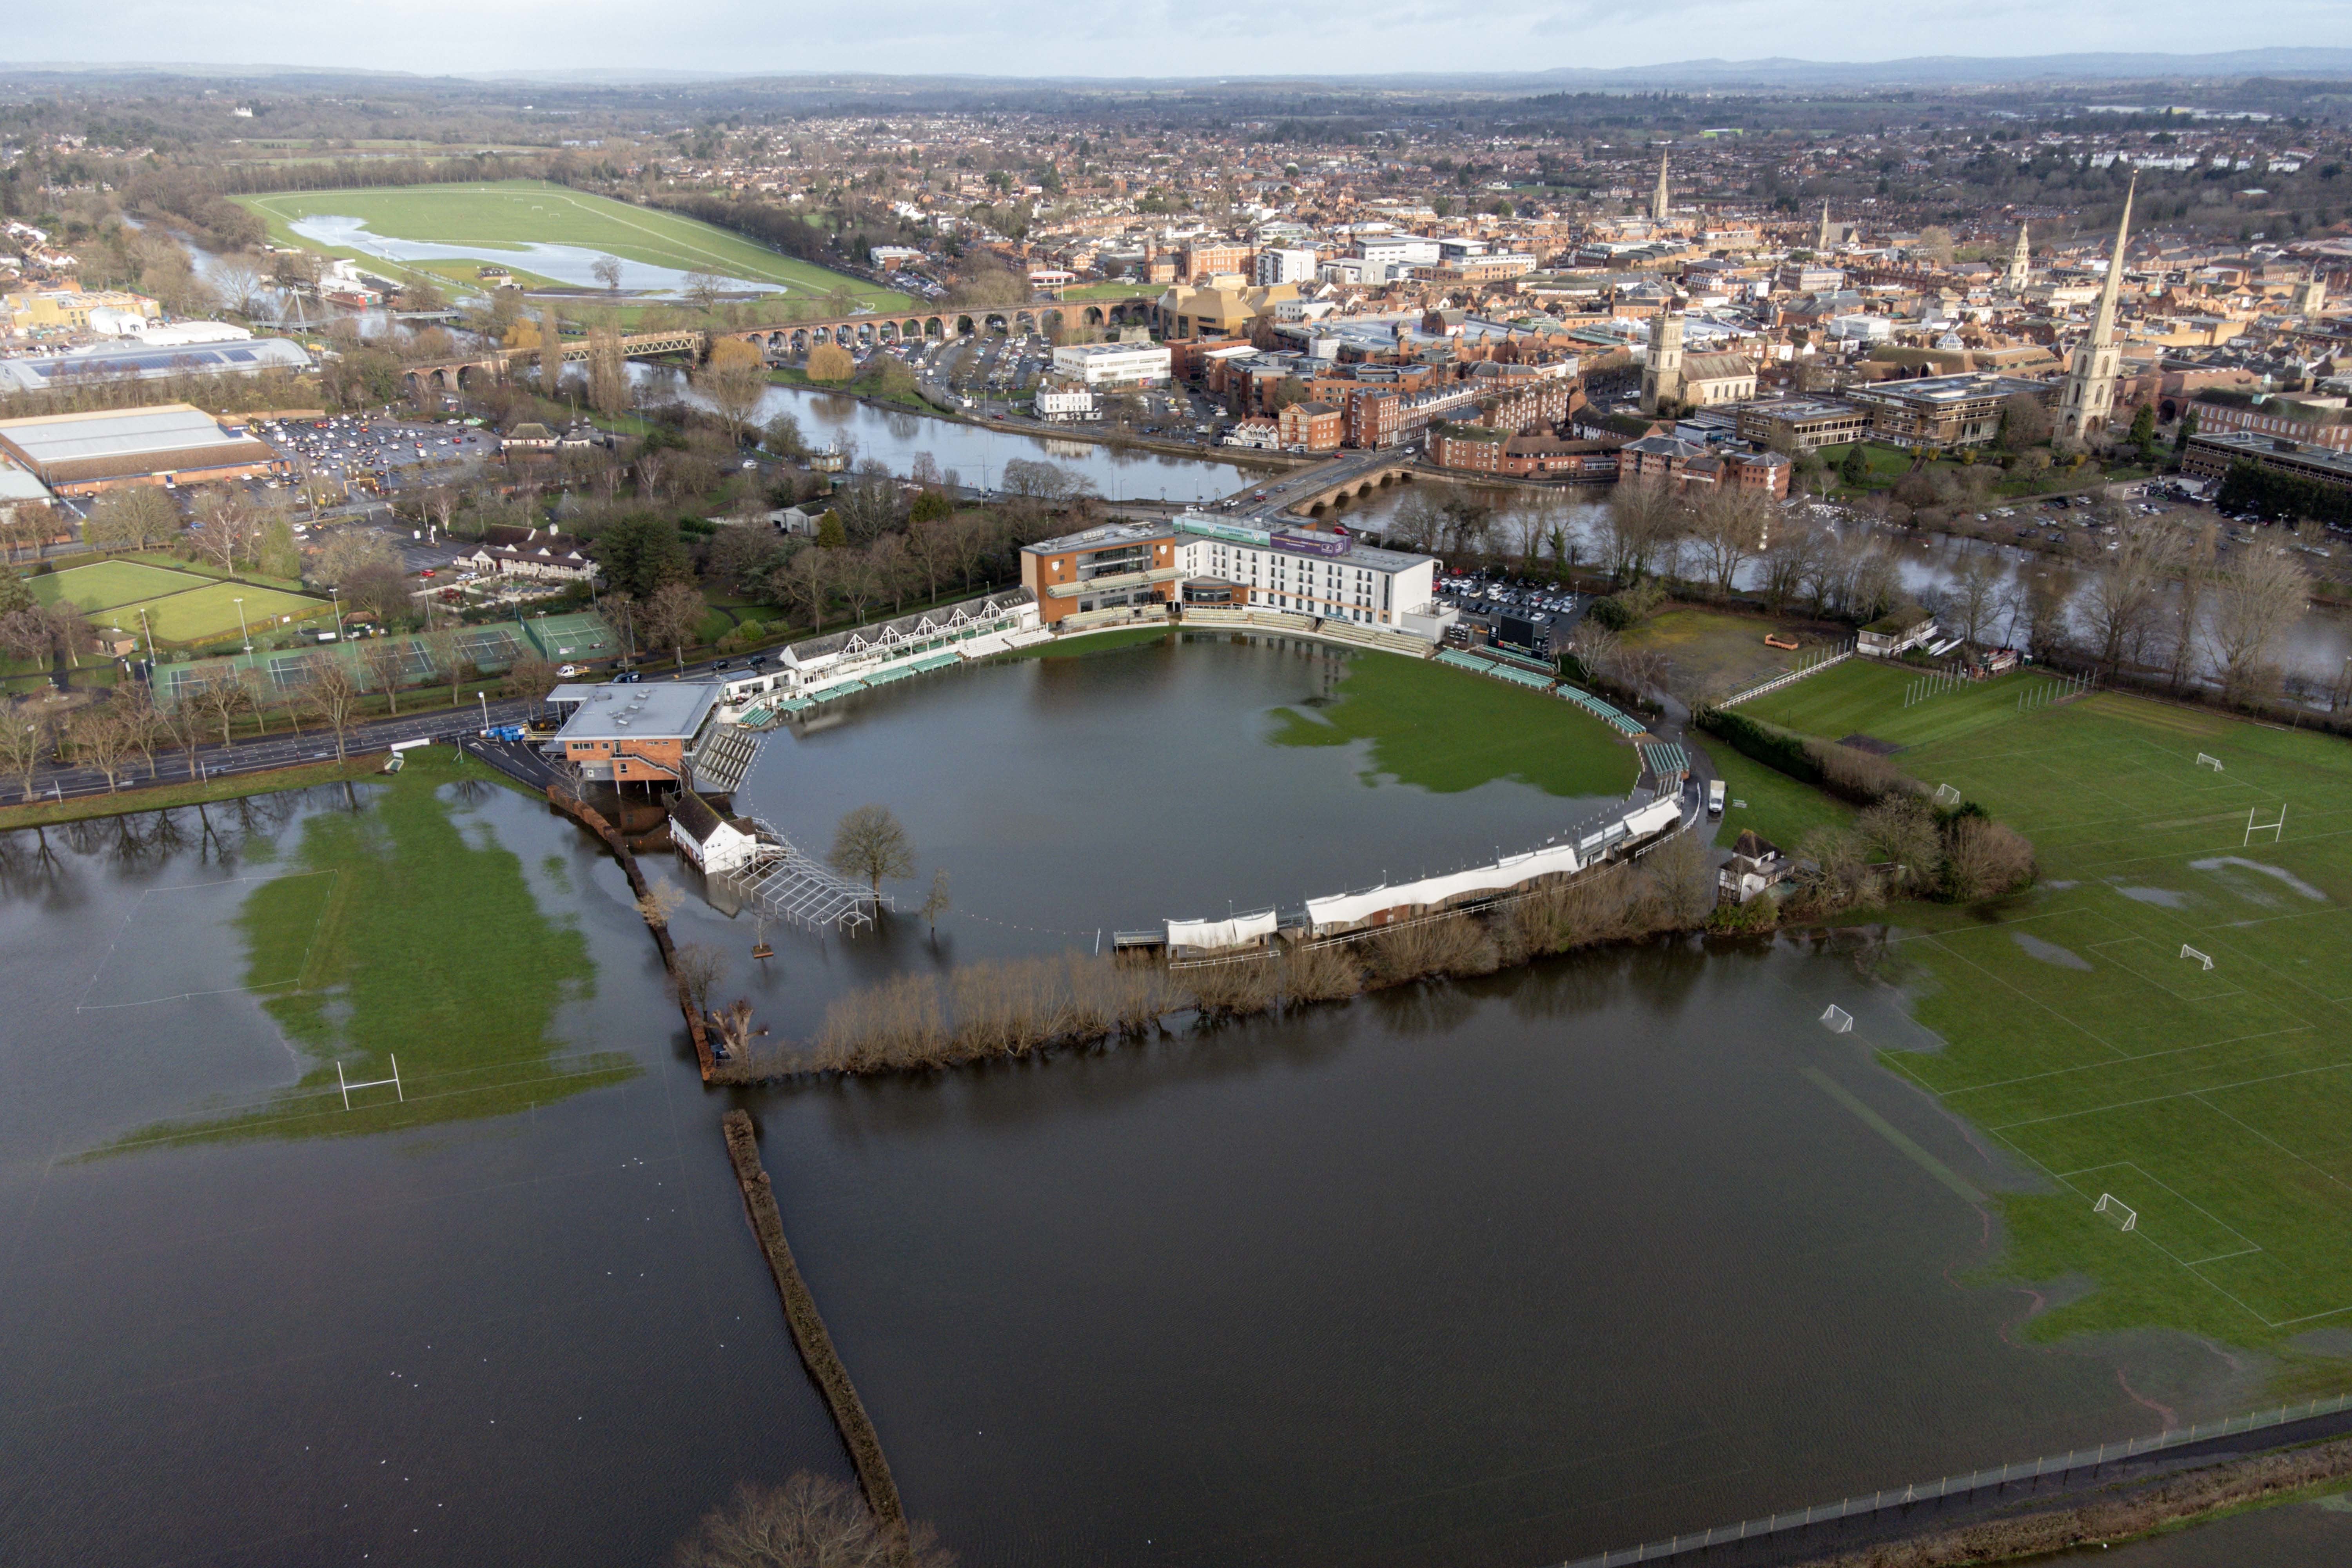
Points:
[(2124, 597), (24, 742), (530, 677), (810, 1521), (734, 381), (1642, 519), (1726, 530), (443, 643), (935, 902), (99, 740), (658, 902), (607, 271), (696, 969), (702, 289), (222, 697), (2256, 597), (861, 582), (332, 692), (1789, 562), (671, 617), (143, 722), (868, 843), (133, 517), (226, 527), (550, 353), (807, 579), (384, 657), (1971, 608), (239, 279)]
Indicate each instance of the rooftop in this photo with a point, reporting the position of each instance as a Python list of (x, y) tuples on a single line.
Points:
[(656, 711), (119, 433), (140, 363), (1103, 537)]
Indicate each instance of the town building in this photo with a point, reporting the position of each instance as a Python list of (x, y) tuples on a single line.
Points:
[(1310, 571), (2308, 421), (1756, 866), (1957, 410), (2211, 456), (1691, 381), (1284, 266), (1475, 449), (1800, 424), (646, 733), (711, 843), (1112, 365), (1064, 403), (1311, 426), (134, 360), (166, 444), (1118, 563), (1683, 463), (1897, 631)]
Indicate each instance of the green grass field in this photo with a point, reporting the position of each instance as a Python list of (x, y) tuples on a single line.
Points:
[(105, 584), (1776, 805), (501, 217), (1446, 730), (2216, 1104), (402, 929), (182, 606), (1712, 647)]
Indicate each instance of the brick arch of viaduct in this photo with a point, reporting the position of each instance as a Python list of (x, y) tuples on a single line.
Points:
[(799, 337)]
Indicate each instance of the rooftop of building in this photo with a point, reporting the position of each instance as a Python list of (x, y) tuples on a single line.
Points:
[(119, 433), (138, 362), (649, 710), (2253, 444), (1104, 536), (1960, 386), (1104, 351)]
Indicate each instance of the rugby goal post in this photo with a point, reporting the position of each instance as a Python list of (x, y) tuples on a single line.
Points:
[(346, 1086), (2204, 760), (2275, 829), (2118, 1215), (2203, 960), (1839, 1020)]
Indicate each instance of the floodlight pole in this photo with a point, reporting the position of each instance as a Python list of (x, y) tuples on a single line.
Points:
[(483, 698), (336, 594), (241, 628)]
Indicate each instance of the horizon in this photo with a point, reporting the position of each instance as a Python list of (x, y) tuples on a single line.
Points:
[(961, 56)]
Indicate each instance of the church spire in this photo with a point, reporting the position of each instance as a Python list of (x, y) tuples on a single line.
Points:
[(1821, 245), (2090, 395), (2020, 262), (1658, 202)]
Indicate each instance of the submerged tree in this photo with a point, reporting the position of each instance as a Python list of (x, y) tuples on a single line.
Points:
[(868, 844), (810, 1521)]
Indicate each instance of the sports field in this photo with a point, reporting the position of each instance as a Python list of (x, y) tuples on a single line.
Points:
[(2210, 1107), (1447, 729), (182, 606), (501, 217)]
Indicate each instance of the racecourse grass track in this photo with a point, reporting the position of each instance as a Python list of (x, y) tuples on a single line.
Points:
[(182, 607), (2216, 1103), (502, 217), (1447, 729)]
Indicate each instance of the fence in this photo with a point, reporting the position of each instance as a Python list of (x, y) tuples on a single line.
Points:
[(1790, 676), (1962, 1486)]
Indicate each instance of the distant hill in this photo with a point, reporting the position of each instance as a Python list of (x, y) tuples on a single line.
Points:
[(1960, 70)]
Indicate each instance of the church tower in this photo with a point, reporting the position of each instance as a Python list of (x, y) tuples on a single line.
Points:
[(2021, 264), (2091, 383), (1662, 378), (1658, 202)]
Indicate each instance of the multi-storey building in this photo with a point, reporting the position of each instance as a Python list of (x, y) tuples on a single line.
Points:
[(1800, 424), (1289, 567), (1958, 410)]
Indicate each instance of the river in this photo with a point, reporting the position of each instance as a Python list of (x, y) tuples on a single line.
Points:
[(1494, 1273)]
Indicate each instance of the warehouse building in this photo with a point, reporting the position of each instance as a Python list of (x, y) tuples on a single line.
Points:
[(138, 359), (169, 444)]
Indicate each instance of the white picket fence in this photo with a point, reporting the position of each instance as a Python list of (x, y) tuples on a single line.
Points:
[(1787, 678)]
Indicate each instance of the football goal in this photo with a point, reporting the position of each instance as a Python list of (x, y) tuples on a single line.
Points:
[(2118, 1215), (2202, 960), (1839, 1020), (2203, 761), (1947, 795)]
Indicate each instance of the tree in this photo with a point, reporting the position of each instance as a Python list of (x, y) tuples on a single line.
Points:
[(671, 617), (529, 677), (642, 554), (1789, 560), (1853, 469), (143, 725), (830, 363), (935, 902), (133, 517), (608, 375), (734, 381), (352, 551), (239, 279), (226, 527), (2143, 429), (384, 657), (221, 698), (806, 580), (868, 844), (2023, 423), (702, 289), (810, 1521), (695, 971), (781, 435), (1969, 608), (24, 742), (550, 353), (332, 692), (1643, 519), (2124, 597), (740, 554), (1727, 529), (99, 740), (277, 555), (380, 590), (607, 271), (2256, 597)]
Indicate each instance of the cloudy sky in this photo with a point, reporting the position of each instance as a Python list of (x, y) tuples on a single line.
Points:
[(1136, 38)]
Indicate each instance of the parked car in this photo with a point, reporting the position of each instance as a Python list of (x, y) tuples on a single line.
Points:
[(568, 670)]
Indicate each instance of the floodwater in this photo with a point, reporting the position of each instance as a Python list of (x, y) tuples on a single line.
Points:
[(976, 453), (1494, 1273), (574, 265)]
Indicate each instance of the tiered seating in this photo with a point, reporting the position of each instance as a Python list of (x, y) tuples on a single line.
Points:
[(935, 661), (838, 689), (1602, 711), (1662, 759), (1461, 661)]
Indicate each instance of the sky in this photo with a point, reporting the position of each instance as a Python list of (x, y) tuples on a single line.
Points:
[(1138, 37)]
